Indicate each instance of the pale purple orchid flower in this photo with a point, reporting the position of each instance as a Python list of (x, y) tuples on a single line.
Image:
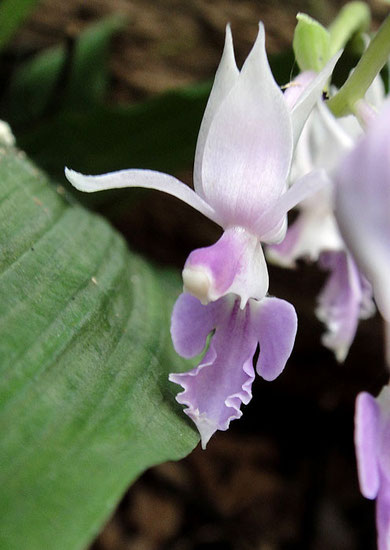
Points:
[(314, 235), (363, 209), (216, 388), (372, 444), (242, 162), (362, 200)]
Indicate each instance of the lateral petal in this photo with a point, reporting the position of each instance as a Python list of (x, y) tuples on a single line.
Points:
[(303, 188), (275, 326), (149, 179), (314, 230), (303, 106)]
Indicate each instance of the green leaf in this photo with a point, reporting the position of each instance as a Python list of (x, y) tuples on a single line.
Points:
[(85, 403), (88, 75), (12, 15), (311, 44), (32, 85), (353, 18)]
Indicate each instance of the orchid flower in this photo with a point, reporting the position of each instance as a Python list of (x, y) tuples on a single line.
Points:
[(362, 201), (314, 235), (372, 443), (214, 390), (242, 162)]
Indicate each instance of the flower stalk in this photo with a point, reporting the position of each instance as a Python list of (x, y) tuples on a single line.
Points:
[(370, 64), (354, 17)]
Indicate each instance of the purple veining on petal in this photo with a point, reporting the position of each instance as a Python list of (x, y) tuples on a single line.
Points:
[(342, 301)]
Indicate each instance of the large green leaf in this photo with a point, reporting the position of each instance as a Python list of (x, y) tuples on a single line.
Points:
[(85, 404)]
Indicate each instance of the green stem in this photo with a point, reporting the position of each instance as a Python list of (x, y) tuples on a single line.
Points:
[(370, 64), (353, 17)]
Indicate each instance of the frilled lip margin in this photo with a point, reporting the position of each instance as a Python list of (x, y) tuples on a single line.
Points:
[(214, 390)]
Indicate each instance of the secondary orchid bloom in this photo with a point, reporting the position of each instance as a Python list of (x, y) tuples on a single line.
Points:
[(241, 168), (214, 390), (314, 235), (372, 443), (363, 208)]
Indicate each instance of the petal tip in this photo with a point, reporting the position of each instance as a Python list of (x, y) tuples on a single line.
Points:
[(260, 38), (228, 50), (76, 179), (206, 429), (228, 33)]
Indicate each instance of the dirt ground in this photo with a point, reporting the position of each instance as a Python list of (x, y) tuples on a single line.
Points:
[(284, 476)]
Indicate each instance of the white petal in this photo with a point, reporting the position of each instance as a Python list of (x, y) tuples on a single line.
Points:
[(248, 149), (302, 189), (376, 92), (225, 78), (149, 179), (309, 97)]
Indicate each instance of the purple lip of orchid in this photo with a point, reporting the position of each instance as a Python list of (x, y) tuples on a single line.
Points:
[(242, 162), (214, 390), (372, 443)]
